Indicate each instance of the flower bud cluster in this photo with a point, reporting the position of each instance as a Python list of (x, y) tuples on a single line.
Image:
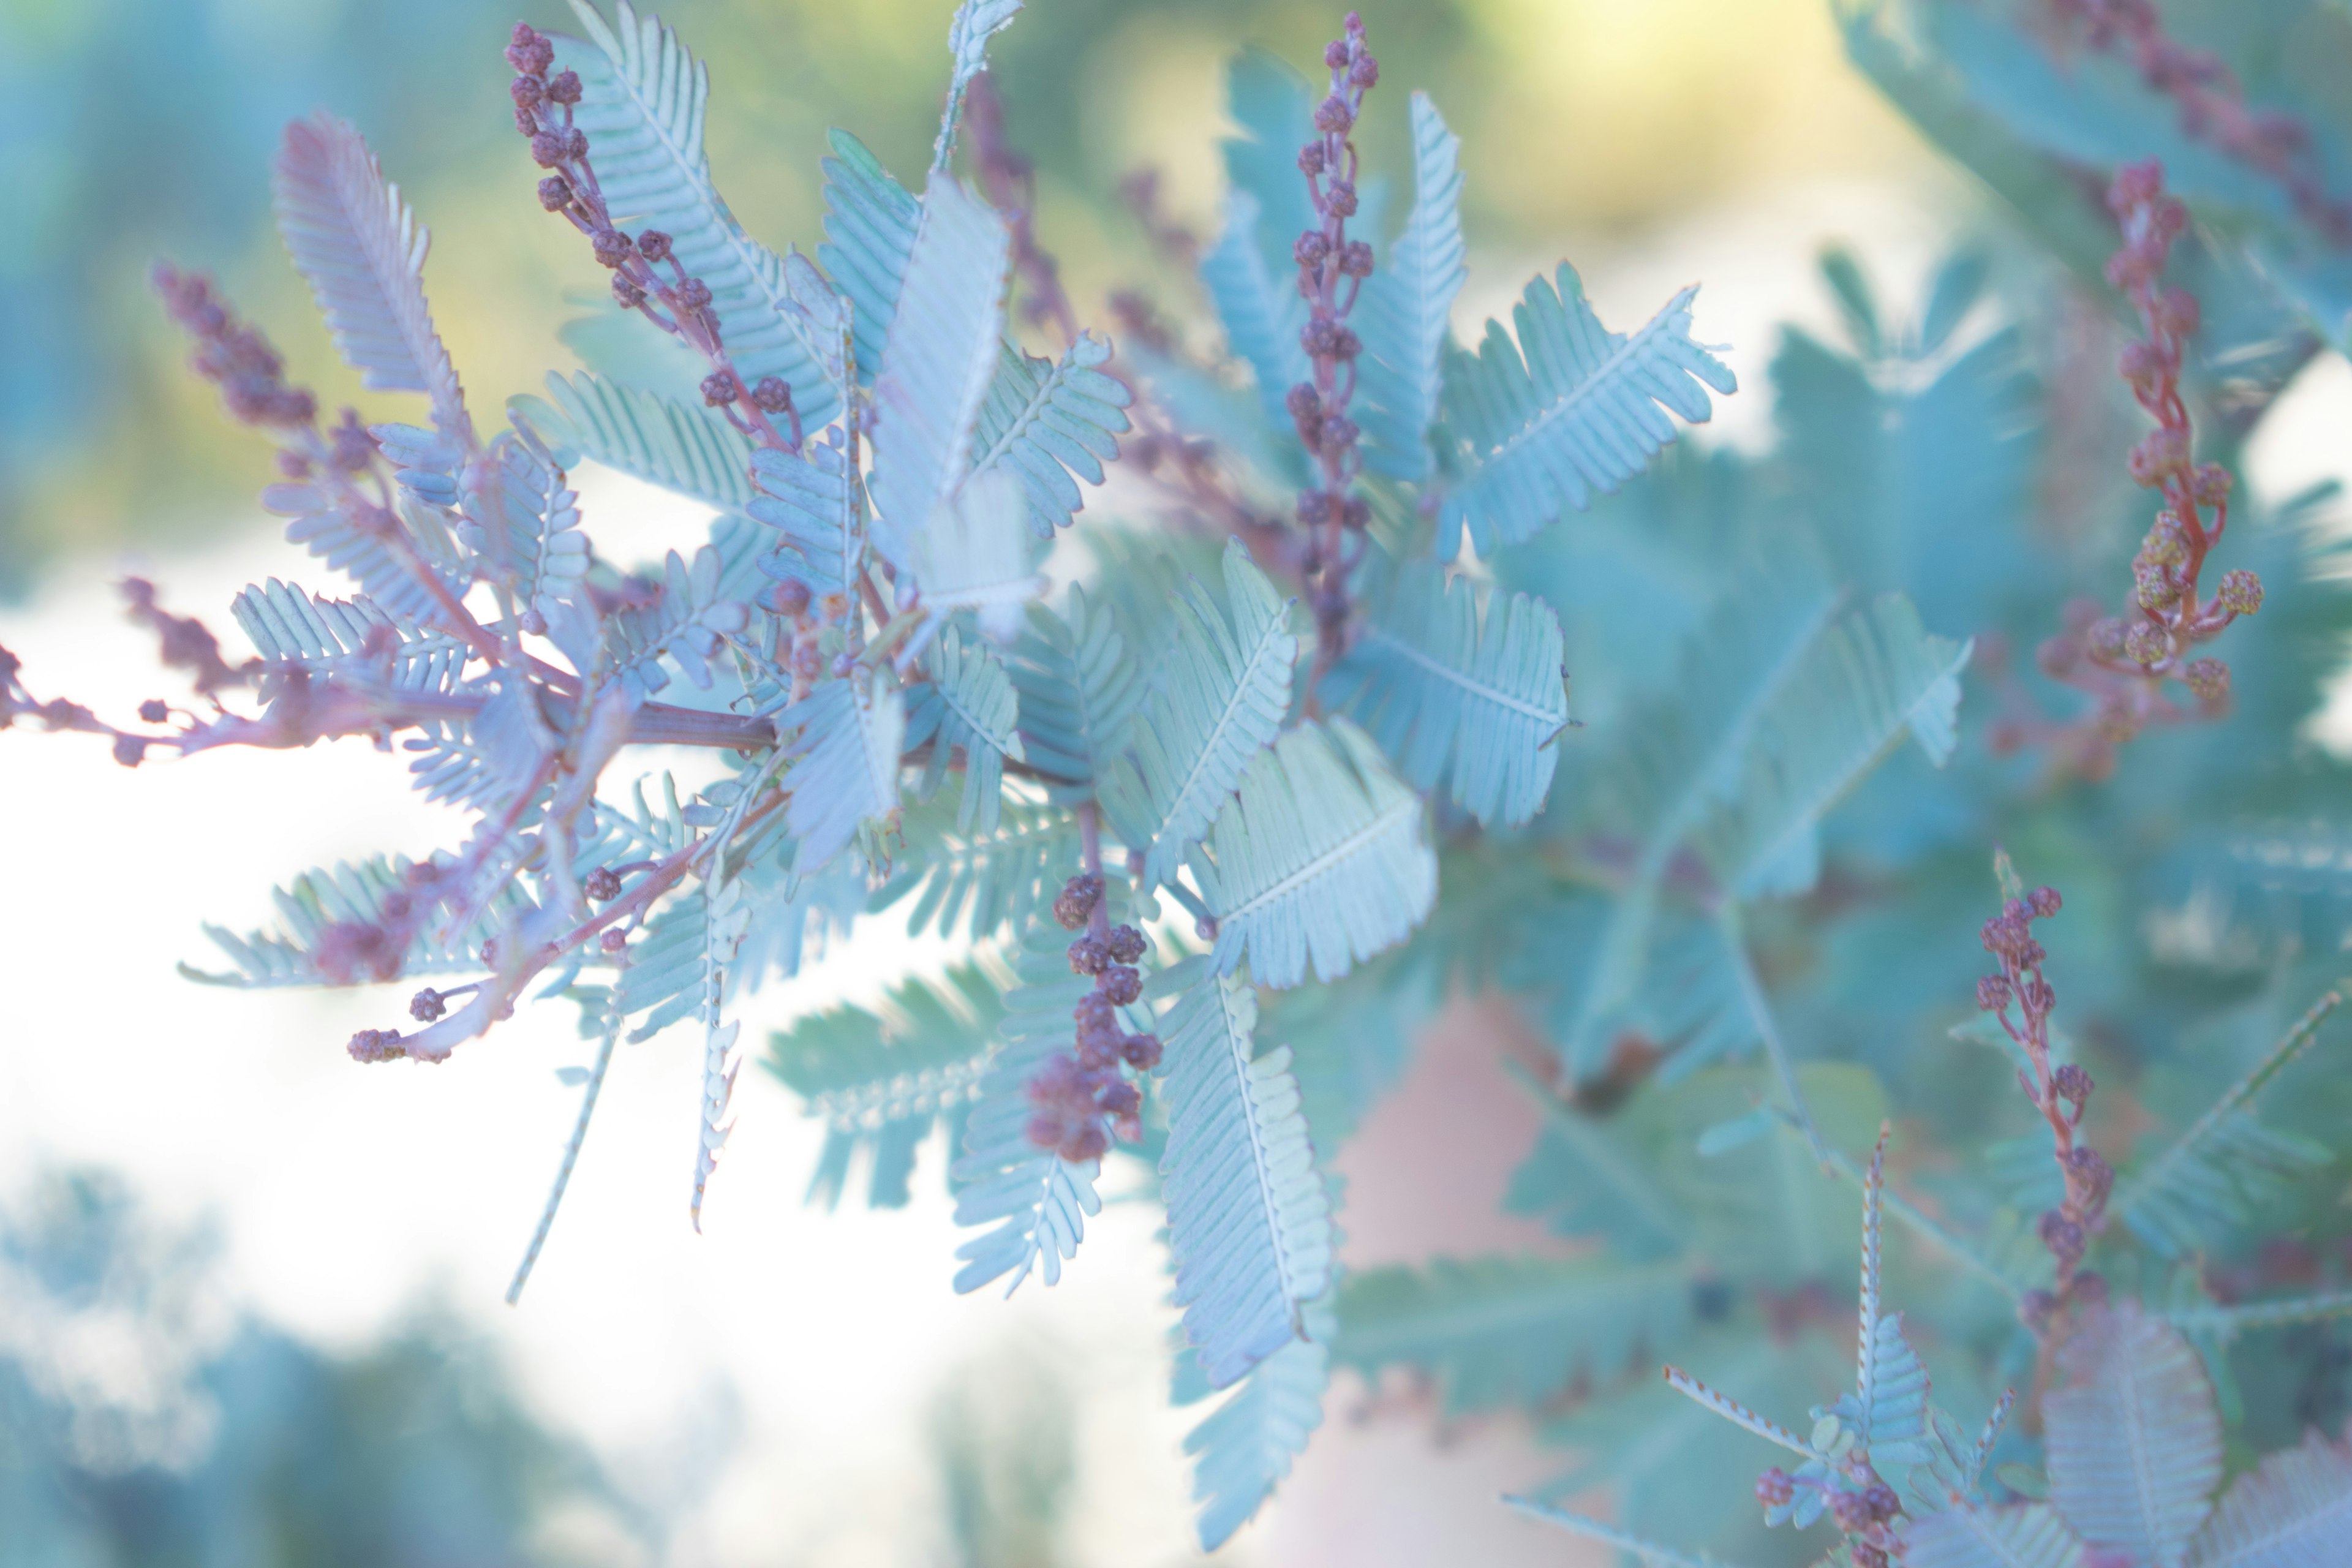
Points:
[(1331, 271), (2123, 661), (811, 631), (232, 355), (672, 299), (2062, 1093), (1081, 1098), (2211, 104)]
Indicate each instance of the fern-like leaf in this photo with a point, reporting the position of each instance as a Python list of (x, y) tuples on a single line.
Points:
[(813, 501), (363, 253), (1242, 1450), (724, 918), (658, 439), (1078, 691), (1046, 420), (2019, 1535), (2132, 1438), (1682, 751), (525, 524), (1320, 858), (1512, 1331), (663, 980), (1406, 303), (869, 225), (319, 912), (1590, 1176), (1224, 692), (1569, 410), (985, 879), (849, 736), (1273, 106), (288, 626), (2200, 1189), (2288, 1513), (643, 97), (1867, 682), (1249, 1226), (1037, 1201), (942, 351), (682, 627), (1460, 683), (361, 547), (882, 1080), (974, 556), (967, 706), (1260, 309)]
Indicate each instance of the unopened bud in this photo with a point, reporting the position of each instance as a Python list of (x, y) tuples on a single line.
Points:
[(2240, 592), (2147, 644), (2208, 679)]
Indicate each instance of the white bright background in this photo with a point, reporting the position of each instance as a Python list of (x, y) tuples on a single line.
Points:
[(769, 1380)]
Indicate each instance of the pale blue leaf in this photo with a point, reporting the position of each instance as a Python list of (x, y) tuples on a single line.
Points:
[(1458, 685), (1318, 858), (1045, 421), (1244, 1449), (659, 439), (1223, 690), (1249, 1225), (847, 737), (1080, 689), (967, 707), (1569, 410), (942, 351), (364, 252), (1405, 305), (642, 105), (975, 556)]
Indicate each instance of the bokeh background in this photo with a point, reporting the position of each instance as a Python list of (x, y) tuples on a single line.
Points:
[(249, 1293)]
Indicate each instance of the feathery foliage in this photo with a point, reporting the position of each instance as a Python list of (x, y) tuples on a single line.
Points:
[(1217, 703), (363, 253), (1249, 1222), (2135, 1442), (1213, 891), (1078, 688), (1407, 304), (942, 350), (1320, 858), (1569, 411), (1038, 1202), (967, 707), (1460, 686), (656, 439), (1243, 1449), (881, 1080), (642, 105)]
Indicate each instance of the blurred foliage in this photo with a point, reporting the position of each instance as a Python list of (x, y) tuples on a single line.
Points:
[(134, 128), (145, 1421)]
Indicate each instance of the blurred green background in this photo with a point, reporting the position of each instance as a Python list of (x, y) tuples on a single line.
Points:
[(136, 128)]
